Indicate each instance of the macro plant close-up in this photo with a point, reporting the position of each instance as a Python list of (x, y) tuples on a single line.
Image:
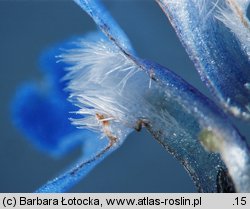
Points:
[(163, 85)]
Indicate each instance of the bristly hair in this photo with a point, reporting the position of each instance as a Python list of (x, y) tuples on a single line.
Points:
[(103, 83), (206, 8), (233, 15), (113, 94)]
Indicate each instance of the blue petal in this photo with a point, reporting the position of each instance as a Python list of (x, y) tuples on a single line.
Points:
[(41, 112), (198, 116), (217, 54), (106, 23), (83, 166), (44, 120)]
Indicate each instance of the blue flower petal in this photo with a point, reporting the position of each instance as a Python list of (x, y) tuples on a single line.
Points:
[(216, 51), (74, 174), (208, 132), (44, 120), (106, 23)]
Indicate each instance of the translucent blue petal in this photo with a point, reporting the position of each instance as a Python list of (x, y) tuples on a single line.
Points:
[(215, 50), (44, 120), (106, 23), (73, 175), (200, 130), (201, 120), (42, 111)]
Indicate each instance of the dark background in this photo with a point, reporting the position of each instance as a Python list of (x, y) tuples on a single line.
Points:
[(141, 165)]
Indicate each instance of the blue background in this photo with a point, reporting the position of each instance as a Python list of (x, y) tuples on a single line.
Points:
[(27, 28)]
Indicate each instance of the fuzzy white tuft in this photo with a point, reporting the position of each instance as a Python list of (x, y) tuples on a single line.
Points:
[(105, 86), (233, 15), (113, 94)]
